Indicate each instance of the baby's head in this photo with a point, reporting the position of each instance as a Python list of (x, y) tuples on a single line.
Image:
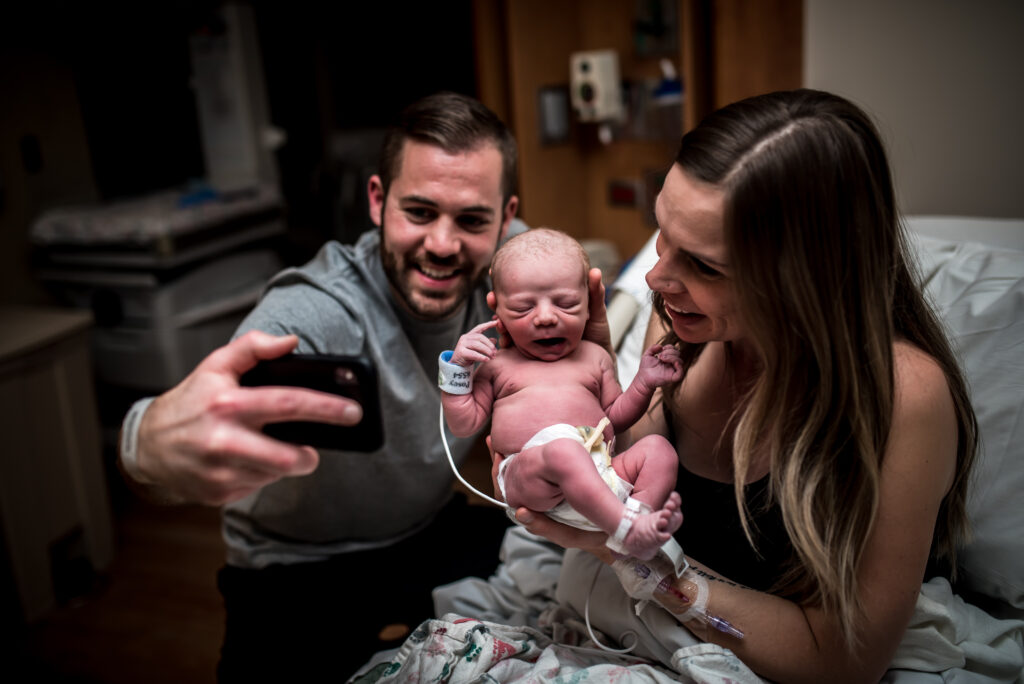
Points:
[(540, 292)]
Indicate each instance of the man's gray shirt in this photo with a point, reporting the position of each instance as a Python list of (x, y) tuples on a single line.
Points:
[(340, 303)]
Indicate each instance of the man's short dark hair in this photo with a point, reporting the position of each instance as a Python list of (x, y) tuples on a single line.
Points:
[(455, 123)]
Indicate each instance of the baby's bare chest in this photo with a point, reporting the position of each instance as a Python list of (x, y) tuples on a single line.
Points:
[(540, 378)]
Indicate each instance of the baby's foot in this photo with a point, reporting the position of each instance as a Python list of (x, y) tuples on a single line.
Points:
[(674, 505), (650, 530)]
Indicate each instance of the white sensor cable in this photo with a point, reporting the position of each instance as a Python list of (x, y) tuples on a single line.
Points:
[(451, 461)]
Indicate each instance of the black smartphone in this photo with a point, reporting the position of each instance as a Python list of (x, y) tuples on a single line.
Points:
[(349, 376)]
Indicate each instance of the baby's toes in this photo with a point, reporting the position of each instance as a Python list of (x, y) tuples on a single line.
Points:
[(675, 514), (675, 522), (662, 520)]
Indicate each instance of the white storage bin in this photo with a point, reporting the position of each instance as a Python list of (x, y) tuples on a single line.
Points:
[(151, 333)]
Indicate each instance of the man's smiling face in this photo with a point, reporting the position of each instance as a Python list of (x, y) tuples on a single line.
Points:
[(441, 221)]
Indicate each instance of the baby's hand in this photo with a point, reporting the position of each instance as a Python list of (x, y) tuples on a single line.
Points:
[(474, 346), (660, 365)]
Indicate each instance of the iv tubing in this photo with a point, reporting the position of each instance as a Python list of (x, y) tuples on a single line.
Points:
[(451, 461)]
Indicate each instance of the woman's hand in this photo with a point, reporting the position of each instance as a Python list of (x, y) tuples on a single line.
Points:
[(565, 536), (537, 523), (496, 460), (597, 330)]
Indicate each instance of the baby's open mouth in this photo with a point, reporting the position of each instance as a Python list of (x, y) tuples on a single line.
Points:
[(551, 341)]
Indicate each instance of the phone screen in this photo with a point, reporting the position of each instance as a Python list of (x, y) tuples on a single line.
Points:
[(349, 376)]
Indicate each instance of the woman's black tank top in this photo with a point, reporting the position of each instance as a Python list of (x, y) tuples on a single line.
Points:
[(712, 534), (711, 531)]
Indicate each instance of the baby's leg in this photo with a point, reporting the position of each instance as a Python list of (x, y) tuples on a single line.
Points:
[(651, 465), (563, 469), (537, 477)]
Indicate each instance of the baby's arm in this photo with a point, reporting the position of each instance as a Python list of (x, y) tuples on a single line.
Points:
[(659, 366), (467, 412)]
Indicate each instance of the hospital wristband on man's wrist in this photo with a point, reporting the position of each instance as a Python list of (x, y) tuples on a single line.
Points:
[(130, 440), (453, 378)]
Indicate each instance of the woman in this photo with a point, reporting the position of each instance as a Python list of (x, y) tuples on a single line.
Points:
[(822, 408)]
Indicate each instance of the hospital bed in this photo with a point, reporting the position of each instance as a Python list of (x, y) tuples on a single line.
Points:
[(529, 622)]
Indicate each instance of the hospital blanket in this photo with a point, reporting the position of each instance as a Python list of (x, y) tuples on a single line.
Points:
[(454, 649), (543, 593)]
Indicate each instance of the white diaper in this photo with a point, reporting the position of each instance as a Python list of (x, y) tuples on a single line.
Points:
[(563, 512)]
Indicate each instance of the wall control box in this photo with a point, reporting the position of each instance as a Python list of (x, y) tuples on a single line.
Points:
[(595, 86)]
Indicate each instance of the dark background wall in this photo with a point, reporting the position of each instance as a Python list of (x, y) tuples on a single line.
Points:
[(98, 104)]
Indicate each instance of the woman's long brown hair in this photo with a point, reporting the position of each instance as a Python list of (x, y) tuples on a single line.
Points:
[(826, 288)]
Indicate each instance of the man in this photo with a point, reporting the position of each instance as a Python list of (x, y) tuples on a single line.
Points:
[(326, 550)]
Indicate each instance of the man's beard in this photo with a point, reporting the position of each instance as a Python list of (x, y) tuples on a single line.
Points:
[(421, 303)]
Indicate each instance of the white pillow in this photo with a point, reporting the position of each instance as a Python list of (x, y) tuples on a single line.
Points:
[(978, 291)]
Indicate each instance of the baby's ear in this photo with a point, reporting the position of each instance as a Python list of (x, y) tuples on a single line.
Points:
[(492, 300)]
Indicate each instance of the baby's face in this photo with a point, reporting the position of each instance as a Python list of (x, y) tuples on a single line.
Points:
[(544, 307)]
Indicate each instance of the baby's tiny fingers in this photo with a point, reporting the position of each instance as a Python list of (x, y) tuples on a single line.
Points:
[(486, 325), (484, 346)]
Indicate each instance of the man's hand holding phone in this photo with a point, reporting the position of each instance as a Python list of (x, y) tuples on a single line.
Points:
[(352, 377), (203, 440)]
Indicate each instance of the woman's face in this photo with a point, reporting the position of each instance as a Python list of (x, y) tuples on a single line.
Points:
[(693, 273)]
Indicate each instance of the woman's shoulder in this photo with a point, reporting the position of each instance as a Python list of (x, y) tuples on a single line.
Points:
[(920, 385), (923, 433)]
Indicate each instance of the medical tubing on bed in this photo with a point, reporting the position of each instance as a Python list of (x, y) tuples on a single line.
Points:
[(590, 631)]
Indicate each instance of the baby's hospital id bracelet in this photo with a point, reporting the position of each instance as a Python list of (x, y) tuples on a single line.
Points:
[(452, 378), (130, 439)]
